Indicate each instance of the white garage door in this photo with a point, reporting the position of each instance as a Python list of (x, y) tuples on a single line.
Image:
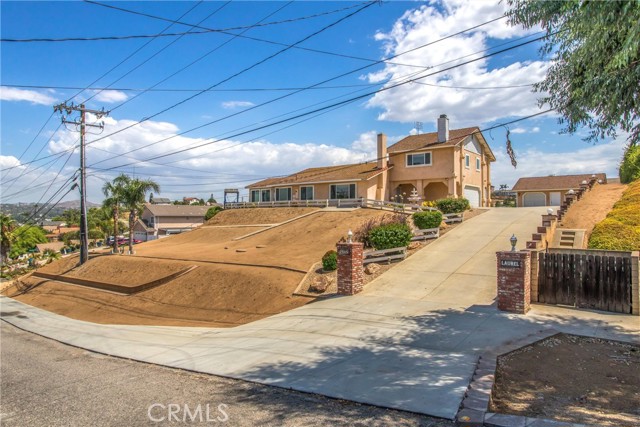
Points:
[(554, 198), (473, 195), (534, 199)]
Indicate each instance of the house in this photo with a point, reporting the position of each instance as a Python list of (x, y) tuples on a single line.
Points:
[(159, 221), (159, 200), (51, 226), (439, 164), (549, 190), (53, 246)]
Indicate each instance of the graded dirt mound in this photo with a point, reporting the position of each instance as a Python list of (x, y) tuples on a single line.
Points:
[(237, 281), (257, 216)]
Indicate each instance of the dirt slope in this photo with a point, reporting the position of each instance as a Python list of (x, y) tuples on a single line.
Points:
[(257, 216), (272, 263), (593, 207)]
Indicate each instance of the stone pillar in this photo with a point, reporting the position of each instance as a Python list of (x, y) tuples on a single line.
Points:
[(514, 281), (350, 270)]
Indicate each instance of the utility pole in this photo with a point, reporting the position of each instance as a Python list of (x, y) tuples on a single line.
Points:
[(64, 108)]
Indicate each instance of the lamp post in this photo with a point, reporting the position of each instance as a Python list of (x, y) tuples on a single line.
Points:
[(513, 241), (350, 236)]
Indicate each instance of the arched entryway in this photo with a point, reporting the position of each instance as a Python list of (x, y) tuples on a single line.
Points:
[(435, 191), (402, 192)]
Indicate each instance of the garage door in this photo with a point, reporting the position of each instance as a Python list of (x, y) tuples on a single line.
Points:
[(554, 198), (534, 199), (473, 195)]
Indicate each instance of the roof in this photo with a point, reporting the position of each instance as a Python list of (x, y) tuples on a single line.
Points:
[(140, 225), (429, 140), (54, 246), (554, 182), (177, 210), (160, 201), (356, 172), (47, 223)]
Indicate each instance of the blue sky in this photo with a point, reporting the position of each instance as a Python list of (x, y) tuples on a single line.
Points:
[(332, 43)]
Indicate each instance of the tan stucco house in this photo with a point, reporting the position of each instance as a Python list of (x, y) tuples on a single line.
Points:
[(445, 163), (159, 221), (549, 190)]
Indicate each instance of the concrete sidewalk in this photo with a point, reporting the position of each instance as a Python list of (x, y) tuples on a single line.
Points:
[(409, 342)]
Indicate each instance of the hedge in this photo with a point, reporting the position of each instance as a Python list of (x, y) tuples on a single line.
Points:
[(453, 205), (330, 261), (390, 236), (620, 230), (427, 219)]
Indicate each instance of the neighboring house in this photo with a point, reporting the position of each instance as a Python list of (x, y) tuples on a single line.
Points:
[(159, 221), (190, 200), (439, 164), (55, 233), (549, 190), (160, 201), (51, 226), (54, 246)]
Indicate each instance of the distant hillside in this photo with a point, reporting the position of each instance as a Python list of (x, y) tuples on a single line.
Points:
[(23, 211)]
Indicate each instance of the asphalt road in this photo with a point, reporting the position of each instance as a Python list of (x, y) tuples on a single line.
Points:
[(43, 382)]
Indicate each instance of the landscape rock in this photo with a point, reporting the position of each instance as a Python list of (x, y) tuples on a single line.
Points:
[(444, 225), (320, 284), (414, 245), (372, 268)]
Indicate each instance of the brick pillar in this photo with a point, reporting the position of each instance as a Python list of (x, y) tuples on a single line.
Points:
[(514, 281), (350, 270)]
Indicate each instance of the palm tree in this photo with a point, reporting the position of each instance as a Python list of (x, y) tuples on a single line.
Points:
[(114, 193), (7, 238), (133, 197)]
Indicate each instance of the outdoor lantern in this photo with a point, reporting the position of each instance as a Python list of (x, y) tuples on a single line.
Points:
[(571, 191), (513, 241), (593, 176), (599, 181), (584, 182), (349, 236), (550, 211)]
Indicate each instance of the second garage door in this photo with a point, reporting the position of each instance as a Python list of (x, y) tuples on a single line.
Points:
[(534, 199), (473, 195)]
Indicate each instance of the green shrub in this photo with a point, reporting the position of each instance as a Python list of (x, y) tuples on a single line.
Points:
[(630, 165), (453, 205), (620, 230), (427, 219), (390, 236), (362, 233), (211, 212), (330, 261)]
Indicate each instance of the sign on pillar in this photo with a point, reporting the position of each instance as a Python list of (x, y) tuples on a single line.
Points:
[(514, 281), (350, 268)]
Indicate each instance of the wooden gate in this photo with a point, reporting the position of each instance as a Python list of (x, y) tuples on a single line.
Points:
[(586, 281)]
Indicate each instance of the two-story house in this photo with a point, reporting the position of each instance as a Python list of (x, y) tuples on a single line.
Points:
[(445, 163), (158, 221)]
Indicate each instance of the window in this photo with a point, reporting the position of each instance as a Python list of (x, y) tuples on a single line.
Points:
[(306, 193), (343, 191), (265, 195), (283, 194), (255, 196), (467, 161), (477, 164), (422, 159)]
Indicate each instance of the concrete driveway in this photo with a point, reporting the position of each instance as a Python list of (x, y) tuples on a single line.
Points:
[(410, 341)]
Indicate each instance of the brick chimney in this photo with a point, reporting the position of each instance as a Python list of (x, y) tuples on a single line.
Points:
[(382, 150), (443, 128)]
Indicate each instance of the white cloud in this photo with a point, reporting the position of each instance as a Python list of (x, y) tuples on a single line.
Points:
[(464, 107), (237, 104), (519, 130), (15, 94), (8, 162), (110, 96), (602, 157), (535, 129)]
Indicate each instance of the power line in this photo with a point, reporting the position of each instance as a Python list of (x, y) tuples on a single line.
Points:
[(255, 38), (198, 59), (162, 34), (341, 102), (262, 61)]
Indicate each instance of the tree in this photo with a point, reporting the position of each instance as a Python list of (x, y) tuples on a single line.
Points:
[(593, 81), (26, 238), (7, 237), (211, 212), (114, 193), (630, 165), (133, 198)]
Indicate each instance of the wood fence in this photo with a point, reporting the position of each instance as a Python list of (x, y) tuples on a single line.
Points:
[(587, 281)]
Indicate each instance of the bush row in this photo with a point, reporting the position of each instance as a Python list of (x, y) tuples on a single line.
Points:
[(620, 230)]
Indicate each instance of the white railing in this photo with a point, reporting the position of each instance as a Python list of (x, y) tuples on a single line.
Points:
[(325, 203)]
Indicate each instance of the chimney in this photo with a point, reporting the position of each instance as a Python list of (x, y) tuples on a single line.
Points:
[(443, 128), (382, 150)]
